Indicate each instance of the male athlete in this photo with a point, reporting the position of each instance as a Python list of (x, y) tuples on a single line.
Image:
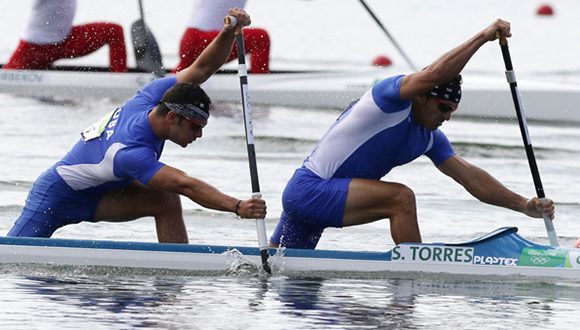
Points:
[(392, 124), (113, 173), (50, 36)]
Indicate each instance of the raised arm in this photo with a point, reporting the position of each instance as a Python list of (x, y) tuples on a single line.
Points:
[(487, 189), (214, 55), (451, 63), (171, 179)]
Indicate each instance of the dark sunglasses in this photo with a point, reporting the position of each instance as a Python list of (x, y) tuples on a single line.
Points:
[(195, 124), (444, 108)]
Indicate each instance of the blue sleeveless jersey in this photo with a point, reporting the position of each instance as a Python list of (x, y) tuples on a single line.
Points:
[(119, 148), (374, 135)]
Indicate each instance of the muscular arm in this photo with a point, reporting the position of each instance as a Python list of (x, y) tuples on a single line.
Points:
[(487, 189), (171, 179), (481, 184), (214, 55), (451, 63)]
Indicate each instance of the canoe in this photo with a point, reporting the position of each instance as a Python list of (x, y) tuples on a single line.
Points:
[(502, 252), (484, 96)]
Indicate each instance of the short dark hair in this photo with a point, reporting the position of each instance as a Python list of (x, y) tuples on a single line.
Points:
[(184, 93)]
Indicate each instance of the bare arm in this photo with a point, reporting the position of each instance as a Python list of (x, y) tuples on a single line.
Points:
[(171, 179), (487, 189), (214, 55), (451, 63)]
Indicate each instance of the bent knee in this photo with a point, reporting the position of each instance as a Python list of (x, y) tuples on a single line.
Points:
[(264, 37), (170, 199), (163, 202), (115, 31), (405, 198), (260, 37)]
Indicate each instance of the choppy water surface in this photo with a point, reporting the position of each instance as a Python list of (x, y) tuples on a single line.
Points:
[(35, 134)]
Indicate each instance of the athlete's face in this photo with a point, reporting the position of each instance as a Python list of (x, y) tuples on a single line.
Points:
[(434, 112), (186, 131)]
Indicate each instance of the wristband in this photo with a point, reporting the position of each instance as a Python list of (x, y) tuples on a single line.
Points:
[(237, 210)]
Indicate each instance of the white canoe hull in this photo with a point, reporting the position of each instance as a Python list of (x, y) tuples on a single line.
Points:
[(484, 96), (501, 253), (223, 262)]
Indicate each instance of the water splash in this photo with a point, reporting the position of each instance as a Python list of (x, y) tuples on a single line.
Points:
[(240, 265)]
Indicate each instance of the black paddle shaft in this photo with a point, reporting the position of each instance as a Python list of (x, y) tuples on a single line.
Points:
[(247, 115), (140, 2), (243, 73), (382, 27), (521, 118)]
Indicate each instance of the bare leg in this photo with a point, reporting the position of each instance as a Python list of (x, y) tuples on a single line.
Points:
[(372, 200), (138, 201)]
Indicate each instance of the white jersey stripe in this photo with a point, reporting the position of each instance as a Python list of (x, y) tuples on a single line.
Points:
[(363, 121), (83, 176)]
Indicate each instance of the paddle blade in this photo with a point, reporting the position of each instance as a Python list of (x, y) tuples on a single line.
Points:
[(147, 52)]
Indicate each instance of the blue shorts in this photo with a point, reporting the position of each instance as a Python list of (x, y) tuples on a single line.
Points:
[(310, 204), (52, 204)]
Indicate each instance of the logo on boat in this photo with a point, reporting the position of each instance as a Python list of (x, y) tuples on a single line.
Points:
[(17, 76), (491, 260), (543, 258), (432, 254)]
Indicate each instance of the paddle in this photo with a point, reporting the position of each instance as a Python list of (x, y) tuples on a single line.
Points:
[(388, 34), (511, 78), (147, 52), (243, 74)]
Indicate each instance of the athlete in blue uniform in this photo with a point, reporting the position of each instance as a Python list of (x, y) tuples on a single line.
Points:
[(113, 173), (392, 124)]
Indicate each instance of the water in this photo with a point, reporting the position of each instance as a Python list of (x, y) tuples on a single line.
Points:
[(66, 300), (35, 134)]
